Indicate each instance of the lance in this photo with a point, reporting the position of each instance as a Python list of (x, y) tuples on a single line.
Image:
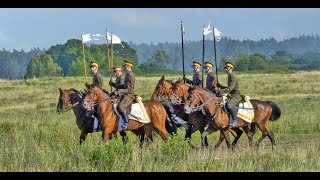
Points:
[(109, 57), (84, 61), (215, 53), (182, 32), (202, 55)]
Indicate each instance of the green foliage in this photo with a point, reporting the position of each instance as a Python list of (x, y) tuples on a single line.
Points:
[(43, 66), (157, 62)]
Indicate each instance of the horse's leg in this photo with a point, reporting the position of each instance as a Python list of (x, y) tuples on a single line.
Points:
[(124, 137), (236, 134), (226, 136), (209, 130), (105, 135), (142, 138), (83, 137), (264, 134), (163, 133), (221, 138), (148, 133), (271, 137), (249, 134), (191, 129), (201, 130)]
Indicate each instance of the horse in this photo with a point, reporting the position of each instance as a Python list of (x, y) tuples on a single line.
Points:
[(72, 99), (110, 119), (196, 121), (263, 112)]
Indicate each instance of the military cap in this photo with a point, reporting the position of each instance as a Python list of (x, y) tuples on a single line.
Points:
[(208, 64), (116, 68), (128, 62), (94, 63), (229, 64), (195, 63)]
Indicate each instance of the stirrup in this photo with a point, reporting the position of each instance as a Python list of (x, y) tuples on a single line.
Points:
[(125, 126)]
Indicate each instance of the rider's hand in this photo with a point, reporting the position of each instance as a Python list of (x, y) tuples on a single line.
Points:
[(111, 83)]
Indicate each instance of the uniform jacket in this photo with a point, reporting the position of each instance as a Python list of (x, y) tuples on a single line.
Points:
[(232, 90), (97, 80), (196, 81), (127, 88), (210, 81)]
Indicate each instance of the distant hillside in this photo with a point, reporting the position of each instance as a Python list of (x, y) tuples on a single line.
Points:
[(228, 47)]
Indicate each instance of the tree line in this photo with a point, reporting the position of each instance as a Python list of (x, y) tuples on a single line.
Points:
[(302, 53)]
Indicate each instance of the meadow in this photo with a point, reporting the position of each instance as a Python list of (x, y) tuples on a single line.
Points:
[(34, 138)]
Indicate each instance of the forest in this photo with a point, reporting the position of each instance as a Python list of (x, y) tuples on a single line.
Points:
[(297, 53)]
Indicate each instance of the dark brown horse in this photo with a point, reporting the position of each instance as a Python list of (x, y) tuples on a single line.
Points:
[(199, 98), (109, 118), (196, 121), (72, 99)]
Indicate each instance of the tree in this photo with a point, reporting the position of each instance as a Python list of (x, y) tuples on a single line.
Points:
[(157, 62), (43, 66)]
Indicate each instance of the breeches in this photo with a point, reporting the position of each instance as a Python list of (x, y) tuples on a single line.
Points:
[(233, 102), (124, 103)]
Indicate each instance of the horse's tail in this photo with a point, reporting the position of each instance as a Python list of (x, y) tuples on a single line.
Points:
[(276, 112), (173, 122)]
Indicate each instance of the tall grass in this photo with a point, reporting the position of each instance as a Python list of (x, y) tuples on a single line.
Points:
[(34, 138)]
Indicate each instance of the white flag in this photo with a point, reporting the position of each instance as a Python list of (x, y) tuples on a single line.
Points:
[(115, 39), (207, 30), (217, 34), (89, 37)]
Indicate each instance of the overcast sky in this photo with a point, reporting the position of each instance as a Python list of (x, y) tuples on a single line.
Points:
[(25, 28)]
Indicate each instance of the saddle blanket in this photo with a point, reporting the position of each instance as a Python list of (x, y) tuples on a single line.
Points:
[(245, 111), (138, 112)]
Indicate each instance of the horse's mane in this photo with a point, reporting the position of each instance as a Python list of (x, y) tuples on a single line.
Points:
[(180, 81), (170, 81), (78, 92), (198, 87), (103, 90)]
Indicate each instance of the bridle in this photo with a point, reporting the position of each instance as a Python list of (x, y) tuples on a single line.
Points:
[(66, 97)]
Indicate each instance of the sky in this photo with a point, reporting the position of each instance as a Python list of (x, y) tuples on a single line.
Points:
[(26, 28)]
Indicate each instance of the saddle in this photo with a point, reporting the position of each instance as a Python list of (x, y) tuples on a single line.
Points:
[(135, 110), (245, 109)]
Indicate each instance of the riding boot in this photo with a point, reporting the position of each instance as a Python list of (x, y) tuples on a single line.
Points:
[(233, 112), (126, 120)]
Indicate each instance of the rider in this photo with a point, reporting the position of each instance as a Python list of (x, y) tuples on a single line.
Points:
[(233, 92), (119, 78), (196, 81), (97, 81), (97, 78), (126, 90), (211, 80)]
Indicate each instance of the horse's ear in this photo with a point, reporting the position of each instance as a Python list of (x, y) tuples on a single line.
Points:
[(87, 85), (162, 77), (60, 89)]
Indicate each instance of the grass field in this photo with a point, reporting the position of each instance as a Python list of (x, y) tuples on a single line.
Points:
[(34, 138)]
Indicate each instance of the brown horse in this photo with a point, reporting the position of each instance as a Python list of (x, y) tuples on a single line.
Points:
[(110, 119), (263, 112), (72, 99), (196, 121)]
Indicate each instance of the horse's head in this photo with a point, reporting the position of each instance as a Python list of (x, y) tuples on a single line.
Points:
[(163, 88), (65, 100), (193, 100), (199, 98), (180, 92), (90, 98)]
